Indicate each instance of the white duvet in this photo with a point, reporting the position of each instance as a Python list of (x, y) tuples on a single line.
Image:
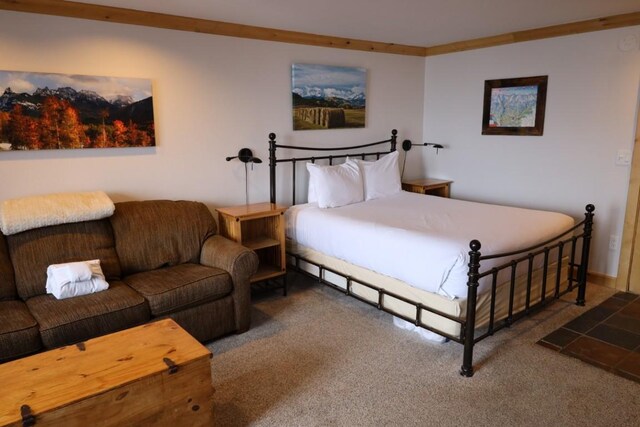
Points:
[(421, 240)]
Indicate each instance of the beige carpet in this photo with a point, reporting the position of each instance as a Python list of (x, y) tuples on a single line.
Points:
[(319, 358)]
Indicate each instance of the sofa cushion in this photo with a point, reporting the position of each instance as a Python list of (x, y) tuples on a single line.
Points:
[(7, 279), (178, 287), (32, 251), (76, 319), (18, 331), (159, 233), (207, 321)]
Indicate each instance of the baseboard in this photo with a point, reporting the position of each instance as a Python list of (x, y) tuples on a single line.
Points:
[(601, 279)]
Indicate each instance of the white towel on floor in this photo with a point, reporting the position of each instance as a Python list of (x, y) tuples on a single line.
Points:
[(75, 278)]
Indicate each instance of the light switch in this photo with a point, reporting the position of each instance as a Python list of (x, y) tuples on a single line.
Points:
[(623, 158), (628, 42)]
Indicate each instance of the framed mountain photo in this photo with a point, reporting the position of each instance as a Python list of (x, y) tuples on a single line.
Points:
[(328, 97), (514, 106), (43, 111)]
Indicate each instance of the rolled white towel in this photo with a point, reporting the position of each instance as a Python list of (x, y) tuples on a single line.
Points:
[(76, 289), (75, 279), (72, 271)]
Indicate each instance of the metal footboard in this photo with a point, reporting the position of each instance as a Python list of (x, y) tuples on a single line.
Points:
[(544, 248)]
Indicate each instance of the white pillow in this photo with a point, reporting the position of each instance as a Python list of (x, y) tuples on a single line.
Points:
[(312, 197), (381, 177), (336, 185)]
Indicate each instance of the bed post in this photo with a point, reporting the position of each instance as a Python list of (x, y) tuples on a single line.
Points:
[(470, 324), (272, 166), (584, 260), (394, 139)]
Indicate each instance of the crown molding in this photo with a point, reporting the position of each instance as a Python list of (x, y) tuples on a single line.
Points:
[(182, 23), (599, 24)]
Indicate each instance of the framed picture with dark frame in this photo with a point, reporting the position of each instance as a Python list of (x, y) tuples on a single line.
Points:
[(514, 106)]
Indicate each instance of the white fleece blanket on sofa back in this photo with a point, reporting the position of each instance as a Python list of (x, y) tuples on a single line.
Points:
[(17, 215)]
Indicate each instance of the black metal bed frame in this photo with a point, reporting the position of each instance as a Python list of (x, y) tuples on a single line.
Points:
[(467, 325)]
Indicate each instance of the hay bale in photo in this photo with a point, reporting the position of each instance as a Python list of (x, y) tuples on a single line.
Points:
[(324, 117)]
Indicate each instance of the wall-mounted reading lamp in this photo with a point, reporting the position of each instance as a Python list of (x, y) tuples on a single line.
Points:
[(245, 155), (407, 144)]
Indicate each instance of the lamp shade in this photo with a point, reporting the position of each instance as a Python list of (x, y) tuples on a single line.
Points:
[(407, 144), (245, 155)]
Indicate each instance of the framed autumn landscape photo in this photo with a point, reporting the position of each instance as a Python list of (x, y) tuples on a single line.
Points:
[(514, 106), (44, 111), (328, 97)]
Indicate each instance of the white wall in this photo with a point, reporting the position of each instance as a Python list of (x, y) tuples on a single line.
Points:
[(212, 96), (591, 109)]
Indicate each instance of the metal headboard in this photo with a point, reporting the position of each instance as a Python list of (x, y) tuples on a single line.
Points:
[(273, 161)]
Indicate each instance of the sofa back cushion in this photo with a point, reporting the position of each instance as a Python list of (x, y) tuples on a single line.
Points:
[(7, 280), (159, 233), (32, 251)]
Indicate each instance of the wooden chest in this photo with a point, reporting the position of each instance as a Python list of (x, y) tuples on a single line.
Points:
[(155, 374)]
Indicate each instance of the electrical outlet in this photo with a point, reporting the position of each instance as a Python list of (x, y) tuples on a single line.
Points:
[(614, 242)]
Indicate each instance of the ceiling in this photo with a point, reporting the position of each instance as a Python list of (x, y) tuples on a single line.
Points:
[(409, 22)]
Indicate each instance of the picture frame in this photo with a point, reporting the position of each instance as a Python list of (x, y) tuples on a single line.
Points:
[(328, 97), (51, 111), (514, 106)]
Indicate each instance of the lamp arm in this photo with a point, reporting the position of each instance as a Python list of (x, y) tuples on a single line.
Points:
[(407, 144)]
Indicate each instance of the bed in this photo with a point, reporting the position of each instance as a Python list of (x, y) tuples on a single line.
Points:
[(419, 257)]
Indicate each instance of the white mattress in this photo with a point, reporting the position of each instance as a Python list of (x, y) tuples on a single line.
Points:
[(418, 239)]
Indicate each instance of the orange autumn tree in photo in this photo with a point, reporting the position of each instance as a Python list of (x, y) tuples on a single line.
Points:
[(49, 123), (119, 134), (22, 130), (71, 130), (60, 126), (4, 121)]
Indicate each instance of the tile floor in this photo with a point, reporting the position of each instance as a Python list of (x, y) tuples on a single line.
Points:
[(607, 336)]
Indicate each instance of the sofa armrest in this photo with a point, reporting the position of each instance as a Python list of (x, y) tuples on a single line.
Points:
[(241, 263)]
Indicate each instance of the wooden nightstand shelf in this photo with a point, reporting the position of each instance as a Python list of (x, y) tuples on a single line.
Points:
[(430, 186), (259, 227)]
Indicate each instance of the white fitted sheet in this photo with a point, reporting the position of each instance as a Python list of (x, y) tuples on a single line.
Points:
[(421, 240)]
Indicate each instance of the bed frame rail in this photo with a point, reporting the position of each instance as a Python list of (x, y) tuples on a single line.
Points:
[(527, 256), (380, 301)]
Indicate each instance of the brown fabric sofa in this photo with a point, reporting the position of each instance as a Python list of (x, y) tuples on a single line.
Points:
[(161, 259)]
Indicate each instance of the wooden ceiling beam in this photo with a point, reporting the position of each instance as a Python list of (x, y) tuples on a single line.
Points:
[(606, 23), (182, 23)]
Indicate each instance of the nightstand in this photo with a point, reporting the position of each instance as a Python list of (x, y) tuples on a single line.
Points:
[(259, 227), (431, 186)]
